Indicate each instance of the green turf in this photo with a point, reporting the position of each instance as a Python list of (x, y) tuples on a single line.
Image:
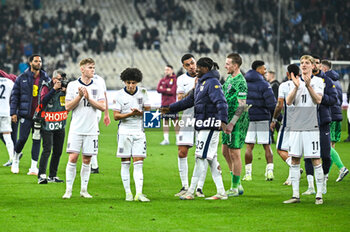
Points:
[(27, 206)]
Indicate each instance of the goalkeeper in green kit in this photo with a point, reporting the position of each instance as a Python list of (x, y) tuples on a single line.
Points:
[(235, 89)]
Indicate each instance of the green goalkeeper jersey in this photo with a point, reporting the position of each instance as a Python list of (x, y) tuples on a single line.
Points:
[(234, 88)]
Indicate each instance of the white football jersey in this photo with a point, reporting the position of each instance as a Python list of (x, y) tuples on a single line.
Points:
[(124, 102), (6, 86), (84, 116), (283, 92), (102, 83), (304, 116), (186, 83)]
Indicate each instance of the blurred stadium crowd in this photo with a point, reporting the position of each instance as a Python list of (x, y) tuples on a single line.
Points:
[(67, 29)]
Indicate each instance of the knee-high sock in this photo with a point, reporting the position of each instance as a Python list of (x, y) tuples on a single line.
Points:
[(336, 158), (125, 175), (216, 174), (71, 171), (85, 176), (9, 145), (94, 163), (203, 176), (295, 178), (183, 171), (248, 169), (197, 172), (319, 176), (138, 176)]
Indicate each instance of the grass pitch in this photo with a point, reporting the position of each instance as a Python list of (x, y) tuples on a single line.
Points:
[(27, 206)]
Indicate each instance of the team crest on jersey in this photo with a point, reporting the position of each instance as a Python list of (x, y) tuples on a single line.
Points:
[(201, 88), (94, 92), (229, 87), (139, 101)]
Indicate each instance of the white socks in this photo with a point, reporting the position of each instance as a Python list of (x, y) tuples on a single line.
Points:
[(289, 161), (248, 169), (269, 167), (319, 176), (295, 178), (85, 176), (197, 172), (166, 136), (9, 145), (138, 176), (310, 181), (93, 162), (125, 174), (71, 171), (34, 165), (203, 176), (216, 174), (183, 171)]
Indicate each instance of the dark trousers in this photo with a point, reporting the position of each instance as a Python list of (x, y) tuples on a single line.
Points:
[(25, 126), (52, 140), (325, 144)]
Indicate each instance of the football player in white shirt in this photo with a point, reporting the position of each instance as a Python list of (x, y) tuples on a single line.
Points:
[(282, 144), (185, 138), (305, 95), (129, 104), (6, 86), (106, 120), (84, 98)]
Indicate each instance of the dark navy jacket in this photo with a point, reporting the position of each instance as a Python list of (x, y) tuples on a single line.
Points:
[(329, 98), (336, 110), (208, 100), (22, 93), (260, 96)]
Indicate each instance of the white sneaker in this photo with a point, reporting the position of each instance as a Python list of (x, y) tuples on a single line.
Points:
[(217, 196), (247, 177), (15, 167), (199, 193), (232, 192), (187, 196), (7, 164), (183, 190), (67, 194), (85, 194), (342, 173), (292, 200), (33, 172), (319, 201), (309, 191), (129, 197), (269, 175), (141, 197), (165, 142)]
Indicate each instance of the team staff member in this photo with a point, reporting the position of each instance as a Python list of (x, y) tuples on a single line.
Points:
[(24, 100), (53, 128), (167, 87)]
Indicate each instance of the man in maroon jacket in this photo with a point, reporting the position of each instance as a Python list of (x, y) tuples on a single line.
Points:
[(167, 87)]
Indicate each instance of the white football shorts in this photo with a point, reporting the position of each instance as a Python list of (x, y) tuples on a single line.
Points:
[(131, 145), (304, 142), (87, 144), (207, 144), (258, 132)]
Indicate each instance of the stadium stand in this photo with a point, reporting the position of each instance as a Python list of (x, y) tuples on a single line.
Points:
[(151, 33)]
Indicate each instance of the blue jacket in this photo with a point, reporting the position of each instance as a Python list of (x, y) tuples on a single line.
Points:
[(208, 100), (22, 93), (336, 110), (329, 98), (260, 96)]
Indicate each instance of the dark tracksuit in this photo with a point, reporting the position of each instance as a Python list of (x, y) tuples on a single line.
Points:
[(21, 105)]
